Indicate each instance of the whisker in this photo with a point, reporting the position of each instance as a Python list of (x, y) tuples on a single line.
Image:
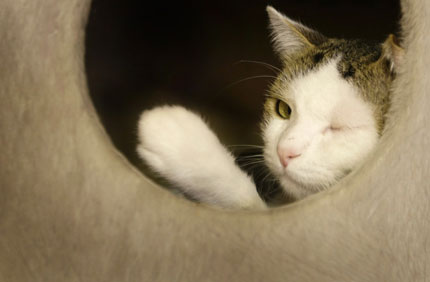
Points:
[(267, 65), (269, 174), (246, 145), (271, 190), (253, 161), (257, 156), (246, 79), (251, 164), (264, 171), (267, 177)]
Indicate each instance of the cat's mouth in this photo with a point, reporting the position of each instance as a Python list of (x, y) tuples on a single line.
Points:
[(297, 178)]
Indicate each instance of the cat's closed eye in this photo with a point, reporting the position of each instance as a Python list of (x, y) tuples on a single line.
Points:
[(282, 109), (337, 127), (333, 128)]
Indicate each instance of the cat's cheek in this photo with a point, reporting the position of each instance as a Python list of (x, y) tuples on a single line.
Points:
[(272, 130), (344, 150), (272, 162)]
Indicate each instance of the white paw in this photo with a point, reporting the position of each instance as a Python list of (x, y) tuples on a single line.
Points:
[(179, 145), (171, 138)]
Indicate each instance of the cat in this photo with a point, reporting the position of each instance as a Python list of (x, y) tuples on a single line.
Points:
[(324, 114)]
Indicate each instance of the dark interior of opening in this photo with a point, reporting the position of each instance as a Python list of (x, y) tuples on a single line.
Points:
[(140, 54)]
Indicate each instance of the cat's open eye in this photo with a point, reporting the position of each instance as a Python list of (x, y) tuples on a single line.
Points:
[(282, 109)]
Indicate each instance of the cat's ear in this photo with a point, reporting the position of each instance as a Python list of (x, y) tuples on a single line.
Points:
[(392, 51), (290, 36)]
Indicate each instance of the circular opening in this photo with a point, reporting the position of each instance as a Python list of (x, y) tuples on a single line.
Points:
[(141, 54)]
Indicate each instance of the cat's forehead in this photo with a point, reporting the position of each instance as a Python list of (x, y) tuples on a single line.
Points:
[(354, 63), (320, 97), (356, 50), (321, 91), (353, 55)]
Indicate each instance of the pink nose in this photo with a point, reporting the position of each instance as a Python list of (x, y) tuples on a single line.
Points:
[(285, 156)]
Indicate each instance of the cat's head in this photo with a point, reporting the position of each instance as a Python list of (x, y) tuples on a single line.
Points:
[(326, 110)]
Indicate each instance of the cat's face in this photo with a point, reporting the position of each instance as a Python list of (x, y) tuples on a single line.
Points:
[(316, 129), (326, 109)]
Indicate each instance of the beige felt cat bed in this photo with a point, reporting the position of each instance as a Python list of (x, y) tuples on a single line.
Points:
[(73, 209)]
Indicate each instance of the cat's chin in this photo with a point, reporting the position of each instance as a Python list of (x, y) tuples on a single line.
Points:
[(299, 189), (295, 188)]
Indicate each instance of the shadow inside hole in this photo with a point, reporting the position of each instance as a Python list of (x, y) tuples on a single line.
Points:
[(142, 54)]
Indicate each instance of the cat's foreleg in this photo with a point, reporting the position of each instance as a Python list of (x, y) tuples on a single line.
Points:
[(178, 145)]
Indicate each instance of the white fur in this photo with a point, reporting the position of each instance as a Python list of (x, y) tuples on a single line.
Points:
[(178, 144), (331, 127)]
